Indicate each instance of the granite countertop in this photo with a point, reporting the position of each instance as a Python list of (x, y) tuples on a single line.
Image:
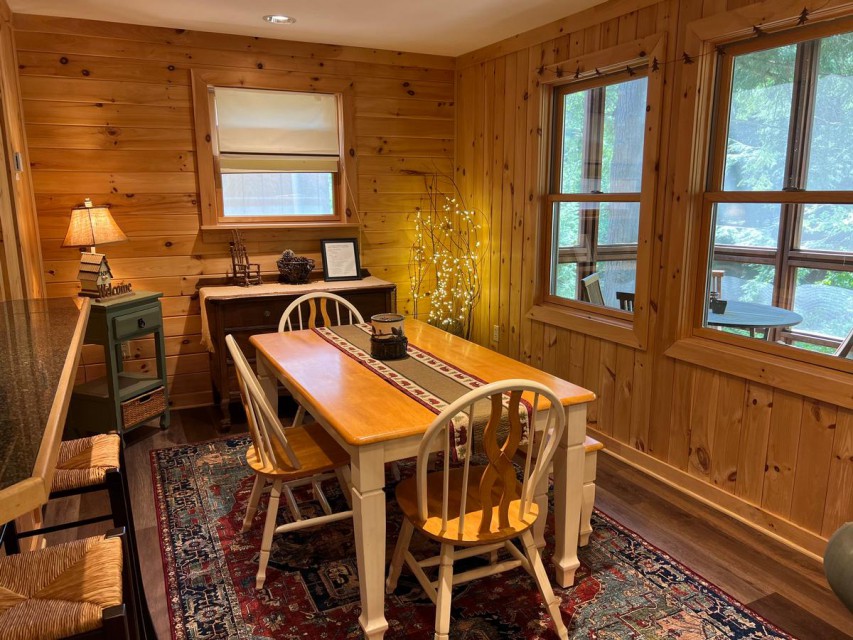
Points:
[(35, 336)]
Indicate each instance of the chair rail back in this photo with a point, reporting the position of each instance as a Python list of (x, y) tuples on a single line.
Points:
[(499, 479), (264, 425), (592, 286), (318, 304)]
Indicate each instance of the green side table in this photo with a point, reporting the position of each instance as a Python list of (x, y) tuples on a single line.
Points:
[(122, 400)]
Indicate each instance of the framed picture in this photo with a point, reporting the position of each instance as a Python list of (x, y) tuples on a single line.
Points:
[(340, 259)]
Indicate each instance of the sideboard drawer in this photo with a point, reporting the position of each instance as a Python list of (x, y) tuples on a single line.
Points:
[(261, 312), (132, 323)]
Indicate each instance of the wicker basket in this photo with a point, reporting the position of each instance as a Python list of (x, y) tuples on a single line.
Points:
[(293, 269), (144, 407)]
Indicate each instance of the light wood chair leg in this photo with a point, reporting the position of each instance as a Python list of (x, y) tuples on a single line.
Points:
[(299, 417), (586, 513), (254, 497), (445, 593), (551, 601), (397, 559), (269, 530)]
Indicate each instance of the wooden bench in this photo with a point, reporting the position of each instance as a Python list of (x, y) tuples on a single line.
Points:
[(592, 447)]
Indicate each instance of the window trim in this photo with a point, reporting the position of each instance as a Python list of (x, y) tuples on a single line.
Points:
[(630, 329), (817, 375), (207, 159)]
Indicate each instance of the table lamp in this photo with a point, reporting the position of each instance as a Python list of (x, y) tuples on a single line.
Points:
[(92, 226)]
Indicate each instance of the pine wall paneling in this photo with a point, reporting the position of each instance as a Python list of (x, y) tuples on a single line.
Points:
[(20, 258), (108, 115), (776, 459)]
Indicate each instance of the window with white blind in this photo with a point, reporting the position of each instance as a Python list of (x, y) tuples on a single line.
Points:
[(268, 155), (278, 153)]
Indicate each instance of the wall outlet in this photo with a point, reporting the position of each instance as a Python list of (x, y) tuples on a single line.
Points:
[(496, 333)]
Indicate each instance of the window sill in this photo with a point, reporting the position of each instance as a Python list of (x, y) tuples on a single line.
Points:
[(803, 378), (217, 230), (587, 322)]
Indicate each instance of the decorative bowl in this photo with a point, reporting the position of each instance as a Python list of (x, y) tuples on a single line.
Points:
[(293, 269)]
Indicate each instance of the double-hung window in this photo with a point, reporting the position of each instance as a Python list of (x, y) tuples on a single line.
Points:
[(601, 190), (595, 190), (778, 198)]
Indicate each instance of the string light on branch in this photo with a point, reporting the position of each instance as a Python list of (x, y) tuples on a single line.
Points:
[(446, 257)]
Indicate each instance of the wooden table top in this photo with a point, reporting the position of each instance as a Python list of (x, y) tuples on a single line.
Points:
[(362, 407), (751, 315)]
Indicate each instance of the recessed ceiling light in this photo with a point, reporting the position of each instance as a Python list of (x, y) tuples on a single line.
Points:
[(280, 19)]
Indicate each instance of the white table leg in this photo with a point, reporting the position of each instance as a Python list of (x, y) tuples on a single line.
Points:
[(368, 506), (568, 494), (267, 378)]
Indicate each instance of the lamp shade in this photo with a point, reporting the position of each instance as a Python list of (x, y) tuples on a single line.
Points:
[(91, 226)]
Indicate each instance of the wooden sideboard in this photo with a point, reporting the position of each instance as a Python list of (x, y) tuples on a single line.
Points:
[(247, 314)]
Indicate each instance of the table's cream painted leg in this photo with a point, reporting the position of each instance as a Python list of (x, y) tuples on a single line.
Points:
[(267, 378), (568, 494), (368, 506)]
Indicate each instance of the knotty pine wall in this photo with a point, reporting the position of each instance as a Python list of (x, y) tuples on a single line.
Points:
[(108, 115), (778, 460)]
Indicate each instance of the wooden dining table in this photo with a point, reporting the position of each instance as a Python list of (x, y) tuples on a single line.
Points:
[(378, 423)]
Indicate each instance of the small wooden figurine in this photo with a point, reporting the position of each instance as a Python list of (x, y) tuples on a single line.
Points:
[(245, 273)]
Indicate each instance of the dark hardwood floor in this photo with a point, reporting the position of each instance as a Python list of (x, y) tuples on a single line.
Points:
[(785, 587)]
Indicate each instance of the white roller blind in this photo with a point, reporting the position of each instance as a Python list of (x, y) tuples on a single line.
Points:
[(276, 122)]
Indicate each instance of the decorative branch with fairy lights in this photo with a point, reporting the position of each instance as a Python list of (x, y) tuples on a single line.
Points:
[(446, 257)]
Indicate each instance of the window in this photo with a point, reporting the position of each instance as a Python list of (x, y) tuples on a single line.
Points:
[(600, 189), (595, 192), (269, 155), (778, 201), (278, 152)]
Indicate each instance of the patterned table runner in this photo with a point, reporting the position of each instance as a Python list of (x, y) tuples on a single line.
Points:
[(424, 377)]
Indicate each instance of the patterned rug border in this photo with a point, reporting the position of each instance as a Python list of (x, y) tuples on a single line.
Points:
[(695, 574), (166, 556), (169, 564)]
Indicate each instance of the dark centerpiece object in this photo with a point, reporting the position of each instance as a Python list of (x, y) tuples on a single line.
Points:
[(717, 305), (388, 341), (293, 269)]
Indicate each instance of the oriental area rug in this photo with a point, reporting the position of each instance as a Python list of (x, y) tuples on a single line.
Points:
[(624, 589)]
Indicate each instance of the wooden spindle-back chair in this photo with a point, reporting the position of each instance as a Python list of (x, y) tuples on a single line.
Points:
[(480, 508), (288, 458), (304, 312), (318, 304)]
